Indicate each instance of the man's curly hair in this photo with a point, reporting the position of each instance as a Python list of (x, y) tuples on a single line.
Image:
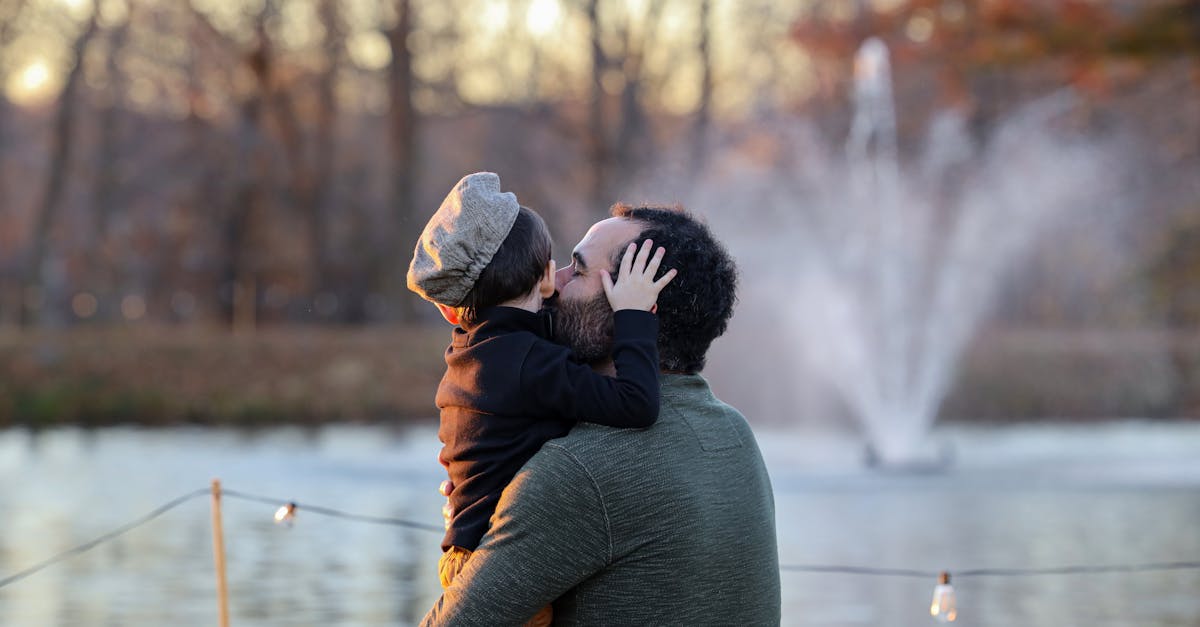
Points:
[(695, 307)]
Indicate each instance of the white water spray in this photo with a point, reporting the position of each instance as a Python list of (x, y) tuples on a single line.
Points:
[(879, 272)]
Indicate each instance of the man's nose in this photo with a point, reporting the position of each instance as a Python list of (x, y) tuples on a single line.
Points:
[(561, 277)]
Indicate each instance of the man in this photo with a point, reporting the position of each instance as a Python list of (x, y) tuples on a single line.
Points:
[(674, 524)]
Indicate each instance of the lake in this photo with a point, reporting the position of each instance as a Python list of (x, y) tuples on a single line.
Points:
[(1016, 497)]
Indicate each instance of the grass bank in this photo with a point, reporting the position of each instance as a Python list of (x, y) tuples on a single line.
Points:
[(1021, 374), (159, 376), (173, 375)]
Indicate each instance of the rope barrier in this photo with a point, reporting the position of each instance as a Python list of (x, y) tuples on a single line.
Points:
[(327, 511), (856, 570), (91, 544), (994, 572), (1077, 570), (399, 522)]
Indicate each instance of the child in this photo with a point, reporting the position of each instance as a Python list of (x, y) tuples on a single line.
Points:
[(484, 261)]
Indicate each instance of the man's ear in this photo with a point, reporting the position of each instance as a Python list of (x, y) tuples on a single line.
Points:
[(546, 285), (449, 313)]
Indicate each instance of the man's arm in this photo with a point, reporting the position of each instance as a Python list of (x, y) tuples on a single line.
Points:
[(549, 533)]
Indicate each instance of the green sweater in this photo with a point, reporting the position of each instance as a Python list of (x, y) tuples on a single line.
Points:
[(674, 524)]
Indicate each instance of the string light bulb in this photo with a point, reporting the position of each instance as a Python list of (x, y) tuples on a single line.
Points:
[(944, 608), (286, 514)]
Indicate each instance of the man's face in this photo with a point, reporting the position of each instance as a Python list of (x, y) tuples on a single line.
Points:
[(584, 320)]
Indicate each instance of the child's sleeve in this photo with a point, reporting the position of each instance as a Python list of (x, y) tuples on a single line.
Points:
[(560, 387)]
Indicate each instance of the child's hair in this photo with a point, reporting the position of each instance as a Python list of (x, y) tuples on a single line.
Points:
[(516, 267)]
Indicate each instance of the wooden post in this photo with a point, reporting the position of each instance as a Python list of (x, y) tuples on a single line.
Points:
[(219, 552)]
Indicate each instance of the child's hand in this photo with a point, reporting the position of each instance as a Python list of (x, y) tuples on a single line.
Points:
[(635, 287)]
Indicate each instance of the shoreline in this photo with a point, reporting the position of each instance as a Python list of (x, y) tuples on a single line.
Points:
[(147, 375), (98, 376)]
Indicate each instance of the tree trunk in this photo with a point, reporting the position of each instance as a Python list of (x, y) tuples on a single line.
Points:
[(325, 147), (10, 286), (250, 173), (403, 125), (101, 268), (207, 194), (236, 272), (634, 143), (598, 144), (9, 12), (703, 109), (56, 174), (309, 177)]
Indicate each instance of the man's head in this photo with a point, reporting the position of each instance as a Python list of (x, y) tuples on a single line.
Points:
[(693, 309)]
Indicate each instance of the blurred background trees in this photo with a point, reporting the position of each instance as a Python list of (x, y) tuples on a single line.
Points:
[(241, 163), (262, 161)]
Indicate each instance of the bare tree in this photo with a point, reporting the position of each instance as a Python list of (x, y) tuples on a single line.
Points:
[(634, 144), (106, 163), (310, 170), (56, 173), (10, 12), (619, 141), (704, 109), (237, 271), (402, 130), (599, 151), (317, 205)]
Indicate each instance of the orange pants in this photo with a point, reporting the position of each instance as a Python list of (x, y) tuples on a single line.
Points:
[(452, 562)]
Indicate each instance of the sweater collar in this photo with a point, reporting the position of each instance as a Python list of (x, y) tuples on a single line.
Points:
[(683, 384), (493, 321)]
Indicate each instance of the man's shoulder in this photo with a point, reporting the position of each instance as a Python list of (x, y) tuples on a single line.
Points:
[(592, 453), (561, 478), (583, 446), (692, 422)]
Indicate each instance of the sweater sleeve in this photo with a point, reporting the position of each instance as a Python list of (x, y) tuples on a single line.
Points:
[(550, 532), (563, 388)]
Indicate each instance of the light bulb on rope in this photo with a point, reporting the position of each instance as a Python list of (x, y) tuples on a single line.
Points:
[(286, 514), (944, 608)]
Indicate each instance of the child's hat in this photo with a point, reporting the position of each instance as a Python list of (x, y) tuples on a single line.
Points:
[(461, 239)]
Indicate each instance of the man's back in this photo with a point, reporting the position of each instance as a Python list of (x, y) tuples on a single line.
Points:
[(692, 518), (670, 525)]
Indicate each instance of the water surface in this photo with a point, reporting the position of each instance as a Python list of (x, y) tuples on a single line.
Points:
[(1016, 497)]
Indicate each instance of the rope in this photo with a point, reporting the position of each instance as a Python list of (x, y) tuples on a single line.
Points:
[(856, 570), (1077, 570), (327, 511), (91, 544), (995, 572), (399, 522)]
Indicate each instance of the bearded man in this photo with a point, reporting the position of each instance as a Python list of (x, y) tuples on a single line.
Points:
[(670, 525)]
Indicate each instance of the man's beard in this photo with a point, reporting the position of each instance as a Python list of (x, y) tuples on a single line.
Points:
[(586, 327)]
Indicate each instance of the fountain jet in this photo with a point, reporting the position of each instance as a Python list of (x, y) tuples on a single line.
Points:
[(903, 264)]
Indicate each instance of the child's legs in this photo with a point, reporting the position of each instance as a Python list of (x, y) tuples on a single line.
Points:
[(451, 563), (544, 617)]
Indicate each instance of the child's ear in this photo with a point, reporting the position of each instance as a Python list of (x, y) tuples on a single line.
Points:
[(546, 285), (449, 313)]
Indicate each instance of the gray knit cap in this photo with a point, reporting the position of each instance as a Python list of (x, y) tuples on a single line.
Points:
[(461, 239)]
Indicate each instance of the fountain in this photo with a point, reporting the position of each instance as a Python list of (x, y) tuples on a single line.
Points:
[(890, 265), (919, 256)]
